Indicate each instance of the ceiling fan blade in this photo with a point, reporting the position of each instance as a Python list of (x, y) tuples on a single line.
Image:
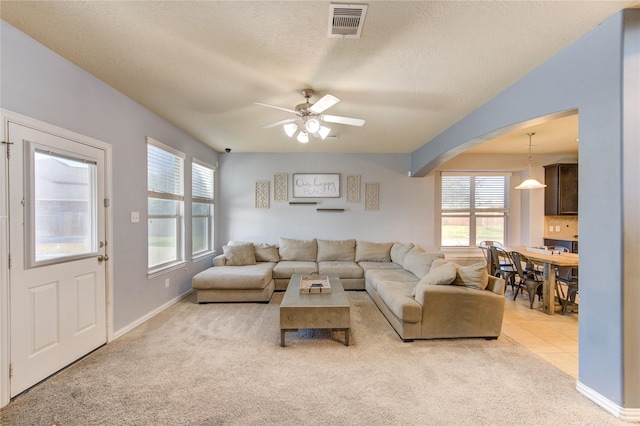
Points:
[(276, 107), (325, 102), (277, 123), (343, 120)]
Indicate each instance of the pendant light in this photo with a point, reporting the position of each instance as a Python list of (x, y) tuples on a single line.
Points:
[(530, 182)]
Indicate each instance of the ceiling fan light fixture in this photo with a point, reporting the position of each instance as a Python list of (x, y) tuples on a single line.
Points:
[(324, 132), (312, 125), (303, 137), (290, 129)]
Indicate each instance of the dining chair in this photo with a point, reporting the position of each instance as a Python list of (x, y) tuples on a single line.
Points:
[(503, 265), (571, 282), (484, 246), (568, 277), (528, 279)]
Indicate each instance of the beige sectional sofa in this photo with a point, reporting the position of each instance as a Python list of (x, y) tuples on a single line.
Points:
[(422, 295)]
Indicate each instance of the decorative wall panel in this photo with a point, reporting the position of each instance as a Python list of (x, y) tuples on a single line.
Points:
[(280, 188), (353, 188), (372, 196), (262, 194)]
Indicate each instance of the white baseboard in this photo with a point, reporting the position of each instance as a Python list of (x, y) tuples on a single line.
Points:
[(151, 314), (627, 414)]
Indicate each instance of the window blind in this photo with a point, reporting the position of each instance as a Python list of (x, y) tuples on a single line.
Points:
[(202, 183), (474, 192), (165, 173)]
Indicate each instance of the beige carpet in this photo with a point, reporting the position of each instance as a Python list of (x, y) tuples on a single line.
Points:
[(222, 364)]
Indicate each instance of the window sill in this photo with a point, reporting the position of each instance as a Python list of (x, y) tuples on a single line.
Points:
[(163, 270), (203, 256)]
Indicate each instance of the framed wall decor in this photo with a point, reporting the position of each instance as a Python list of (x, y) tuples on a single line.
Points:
[(314, 185), (353, 188)]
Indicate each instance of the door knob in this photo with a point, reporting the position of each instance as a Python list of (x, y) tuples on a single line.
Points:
[(102, 258)]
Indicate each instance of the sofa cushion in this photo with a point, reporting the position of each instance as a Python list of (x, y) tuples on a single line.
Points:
[(249, 277), (343, 250), (379, 265), (373, 252), (301, 250), (398, 298), (474, 275), (239, 255), (340, 268), (441, 273), (419, 261), (286, 268), (266, 252), (399, 251), (381, 275)]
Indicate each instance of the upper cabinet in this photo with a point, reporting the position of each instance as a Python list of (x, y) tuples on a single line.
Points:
[(561, 193)]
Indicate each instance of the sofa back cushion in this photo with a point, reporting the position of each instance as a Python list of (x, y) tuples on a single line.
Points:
[(373, 252), (474, 275), (266, 252), (442, 272), (418, 261), (399, 251), (239, 255), (342, 250), (302, 250)]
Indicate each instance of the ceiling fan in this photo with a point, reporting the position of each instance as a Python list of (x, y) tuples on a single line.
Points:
[(309, 118)]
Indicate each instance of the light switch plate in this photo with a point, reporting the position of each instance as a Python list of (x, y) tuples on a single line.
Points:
[(557, 228), (550, 228), (135, 217)]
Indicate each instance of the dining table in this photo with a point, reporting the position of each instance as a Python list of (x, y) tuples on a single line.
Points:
[(550, 262)]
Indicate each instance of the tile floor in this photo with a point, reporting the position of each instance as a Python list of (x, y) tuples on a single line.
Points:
[(552, 337)]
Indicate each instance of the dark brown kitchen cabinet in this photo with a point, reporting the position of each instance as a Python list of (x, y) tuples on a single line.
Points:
[(561, 193)]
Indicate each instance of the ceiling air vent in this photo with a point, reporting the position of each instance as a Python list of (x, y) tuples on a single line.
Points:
[(346, 20)]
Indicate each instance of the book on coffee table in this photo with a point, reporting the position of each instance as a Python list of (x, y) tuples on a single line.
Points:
[(314, 284)]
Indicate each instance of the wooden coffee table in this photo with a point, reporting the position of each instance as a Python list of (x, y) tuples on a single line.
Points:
[(318, 310)]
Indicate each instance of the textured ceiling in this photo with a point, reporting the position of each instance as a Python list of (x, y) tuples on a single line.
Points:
[(418, 68)]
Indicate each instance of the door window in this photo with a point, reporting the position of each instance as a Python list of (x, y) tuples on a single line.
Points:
[(62, 213)]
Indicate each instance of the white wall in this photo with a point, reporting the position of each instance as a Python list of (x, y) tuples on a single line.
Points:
[(406, 204)]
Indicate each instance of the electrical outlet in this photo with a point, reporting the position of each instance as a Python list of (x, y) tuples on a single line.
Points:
[(557, 228), (166, 283), (135, 217)]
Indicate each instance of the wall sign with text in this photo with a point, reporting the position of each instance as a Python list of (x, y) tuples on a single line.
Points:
[(309, 185)]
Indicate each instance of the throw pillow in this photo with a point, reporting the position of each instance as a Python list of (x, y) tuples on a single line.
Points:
[(418, 262), (239, 255), (266, 253), (399, 251), (441, 273), (301, 250), (343, 250), (373, 252), (474, 275)]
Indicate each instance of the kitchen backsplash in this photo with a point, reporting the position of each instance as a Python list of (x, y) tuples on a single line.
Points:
[(561, 227)]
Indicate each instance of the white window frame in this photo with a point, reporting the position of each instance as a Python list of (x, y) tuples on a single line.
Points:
[(179, 261), (473, 212), (203, 199)]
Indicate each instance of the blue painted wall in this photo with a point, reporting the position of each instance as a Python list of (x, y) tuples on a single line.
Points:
[(587, 76)]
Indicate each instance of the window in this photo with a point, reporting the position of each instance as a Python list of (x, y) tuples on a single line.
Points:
[(165, 204), (201, 208), (474, 208)]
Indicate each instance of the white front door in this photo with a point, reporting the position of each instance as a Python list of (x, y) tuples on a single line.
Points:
[(57, 247)]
